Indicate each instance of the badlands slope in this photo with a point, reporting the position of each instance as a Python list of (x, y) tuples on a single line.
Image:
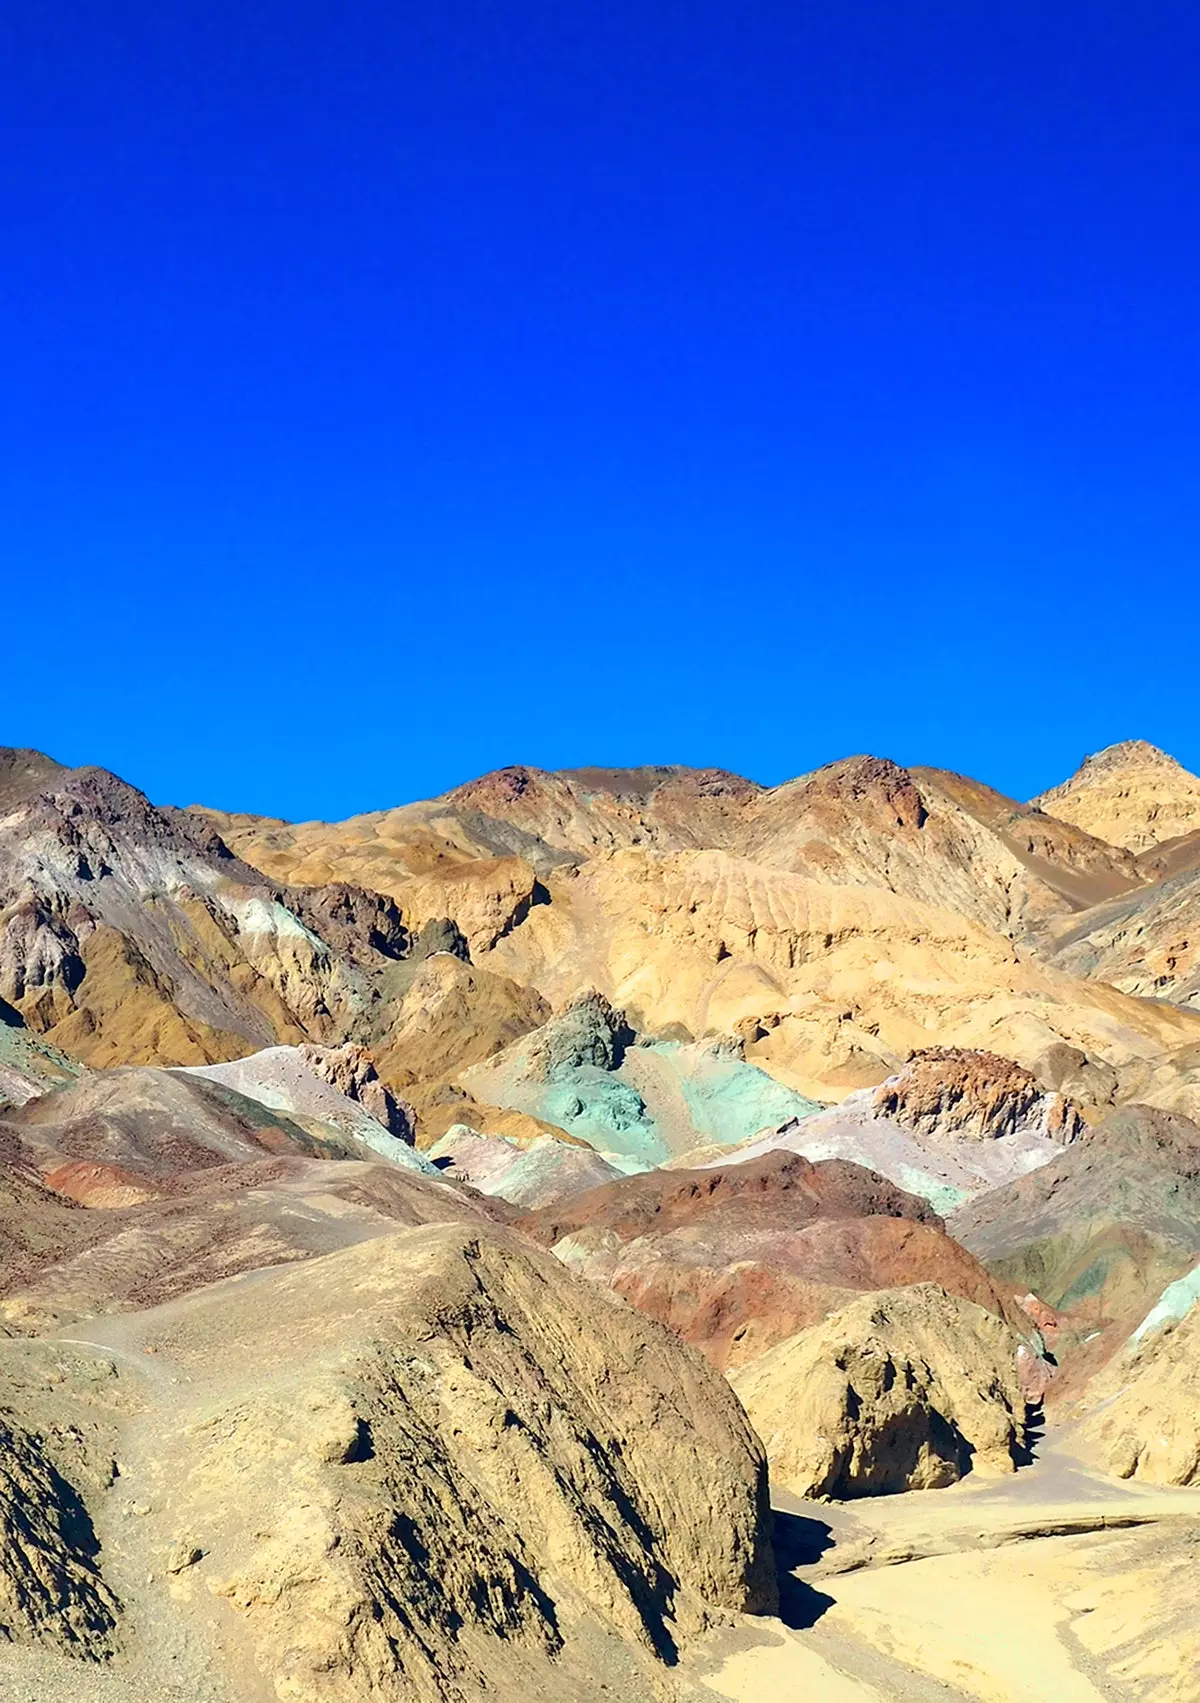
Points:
[(412, 1225), (838, 922)]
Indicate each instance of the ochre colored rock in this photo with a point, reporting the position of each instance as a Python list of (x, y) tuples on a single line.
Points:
[(51, 1587), (1132, 795), (904, 1390), (479, 1474), (950, 1091), (1143, 1414)]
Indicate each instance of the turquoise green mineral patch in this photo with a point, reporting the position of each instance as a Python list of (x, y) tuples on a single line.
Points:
[(729, 1100), (1176, 1300), (599, 1108)]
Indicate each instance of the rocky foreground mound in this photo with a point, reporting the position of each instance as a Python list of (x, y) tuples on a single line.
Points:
[(908, 1389), (437, 1466), (51, 1591)]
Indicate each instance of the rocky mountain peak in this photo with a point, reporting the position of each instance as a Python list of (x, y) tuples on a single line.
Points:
[(1131, 794), (1128, 753), (874, 785)]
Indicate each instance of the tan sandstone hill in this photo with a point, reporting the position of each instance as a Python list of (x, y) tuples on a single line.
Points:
[(907, 1389), (437, 1466), (834, 985), (1132, 795), (1143, 1417), (840, 922)]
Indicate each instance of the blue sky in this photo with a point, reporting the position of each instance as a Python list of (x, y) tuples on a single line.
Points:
[(389, 392)]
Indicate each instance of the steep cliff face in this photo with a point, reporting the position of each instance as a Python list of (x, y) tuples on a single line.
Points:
[(51, 1587)]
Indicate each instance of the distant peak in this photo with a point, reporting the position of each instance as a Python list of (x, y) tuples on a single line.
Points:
[(1129, 752), (499, 785), (1131, 794)]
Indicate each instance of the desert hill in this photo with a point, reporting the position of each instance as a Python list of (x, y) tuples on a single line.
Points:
[(401, 1215), (736, 1258), (1131, 795), (476, 1478), (838, 922)]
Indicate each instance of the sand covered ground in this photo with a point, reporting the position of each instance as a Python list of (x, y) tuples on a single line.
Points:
[(1056, 1583)]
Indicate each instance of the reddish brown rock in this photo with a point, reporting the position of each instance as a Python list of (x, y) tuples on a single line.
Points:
[(739, 1257), (977, 1095)]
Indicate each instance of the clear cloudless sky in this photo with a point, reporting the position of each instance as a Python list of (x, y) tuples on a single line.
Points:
[(391, 391)]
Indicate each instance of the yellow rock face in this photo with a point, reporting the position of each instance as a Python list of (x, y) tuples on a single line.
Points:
[(906, 1389), (1132, 795), (834, 985), (435, 1466), (1144, 1416)]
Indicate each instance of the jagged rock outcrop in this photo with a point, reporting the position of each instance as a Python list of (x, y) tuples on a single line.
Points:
[(955, 1093), (587, 1032), (440, 934), (51, 1587), (904, 1390), (351, 1070)]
